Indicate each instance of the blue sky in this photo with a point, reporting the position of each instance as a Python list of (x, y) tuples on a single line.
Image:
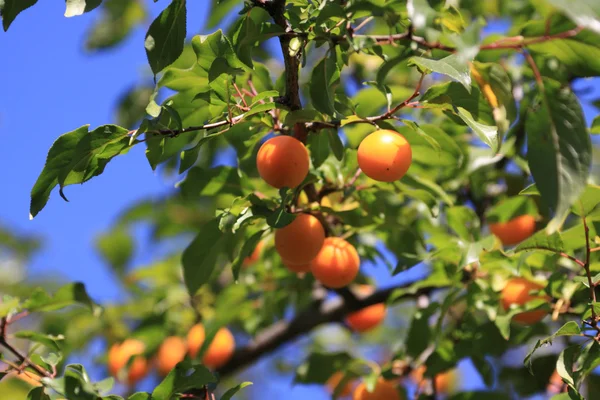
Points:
[(49, 85)]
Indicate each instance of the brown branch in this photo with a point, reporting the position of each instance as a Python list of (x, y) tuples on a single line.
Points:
[(22, 359), (588, 273), (536, 71), (317, 314)]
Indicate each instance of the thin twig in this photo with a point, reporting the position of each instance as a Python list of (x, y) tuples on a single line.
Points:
[(362, 24), (536, 71), (586, 266)]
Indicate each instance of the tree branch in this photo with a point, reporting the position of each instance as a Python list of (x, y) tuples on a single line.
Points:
[(317, 314)]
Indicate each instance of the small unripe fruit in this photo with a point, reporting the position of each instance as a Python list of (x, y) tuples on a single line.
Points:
[(118, 358), (299, 242), (517, 291), (283, 161), (219, 351), (384, 155), (171, 352), (384, 390), (337, 263), (333, 382), (514, 231)]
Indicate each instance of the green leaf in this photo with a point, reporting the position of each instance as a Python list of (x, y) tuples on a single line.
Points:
[(429, 139), (37, 393), (318, 143), (78, 7), (324, 80), (116, 248), (579, 54), (566, 365), (119, 19), (219, 10), (281, 217), (12, 8), (559, 149), (139, 396), (569, 329), (419, 334), (246, 251), (180, 380), (451, 66), (335, 143), (585, 13), (510, 209), (228, 395), (595, 127), (76, 157), (319, 366), (50, 341), (210, 182), (488, 134), (67, 295), (200, 258), (216, 45), (541, 240), (166, 36), (464, 222)]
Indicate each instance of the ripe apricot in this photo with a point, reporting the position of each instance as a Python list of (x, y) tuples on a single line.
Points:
[(369, 317), (333, 382), (299, 242), (337, 263), (171, 351), (384, 155), (556, 384), (118, 358), (384, 390), (444, 382), (300, 268), (514, 231), (517, 291), (283, 161), (220, 349), (255, 256)]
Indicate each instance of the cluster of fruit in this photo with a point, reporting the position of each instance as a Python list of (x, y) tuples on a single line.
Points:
[(173, 350), (283, 161)]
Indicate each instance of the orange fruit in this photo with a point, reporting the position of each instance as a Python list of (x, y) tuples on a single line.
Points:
[(384, 390), (514, 231), (118, 358), (333, 382), (299, 242), (337, 263), (556, 384), (255, 256), (384, 155), (300, 268), (369, 317), (171, 351), (444, 382), (517, 291), (283, 161), (220, 349)]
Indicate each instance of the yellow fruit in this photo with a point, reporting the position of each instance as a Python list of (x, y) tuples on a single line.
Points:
[(384, 155), (517, 291), (337, 263), (299, 242), (384, 390), (514, 231), (283, 161), (171, 351), (118, 358)]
